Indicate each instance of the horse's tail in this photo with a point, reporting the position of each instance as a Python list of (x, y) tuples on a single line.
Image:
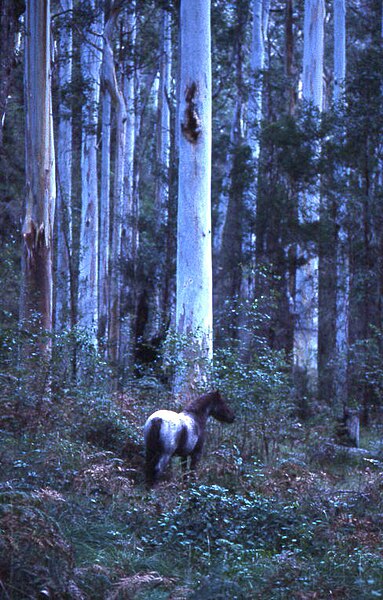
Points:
[(152, 448)]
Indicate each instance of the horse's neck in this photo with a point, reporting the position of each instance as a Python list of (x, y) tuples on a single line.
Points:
[(200, 415)]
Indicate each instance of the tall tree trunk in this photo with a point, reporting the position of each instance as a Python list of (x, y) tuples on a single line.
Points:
[(194, 316), (91, 57), (109, 78), (306, 293), (64, 311), (36, 299), (339, 49), (232, 227), (128, 234), (290, 67), (161, 277), (342, 242), (103, 275), (260, 9)]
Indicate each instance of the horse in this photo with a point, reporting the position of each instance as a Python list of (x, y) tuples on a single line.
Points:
[(168, 433)]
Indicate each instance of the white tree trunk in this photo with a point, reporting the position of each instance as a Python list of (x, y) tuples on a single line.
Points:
[(109, 80), (36, 298), (342, 258), (260, 9), (105, 214), (129, 238), (312, 86), (63, 308), (306, 293), (162, 178), (91, 57), (194, 263), (339, 48)]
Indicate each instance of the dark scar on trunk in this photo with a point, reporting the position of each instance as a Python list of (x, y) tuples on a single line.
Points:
[(191, 125)]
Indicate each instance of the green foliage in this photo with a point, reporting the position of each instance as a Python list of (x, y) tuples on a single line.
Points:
[(365, 360), (76, 520)]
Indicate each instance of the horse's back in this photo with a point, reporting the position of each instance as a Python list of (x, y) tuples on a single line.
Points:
[(170, 430)]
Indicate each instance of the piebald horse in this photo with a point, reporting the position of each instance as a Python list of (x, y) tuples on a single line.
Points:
[(168, 433)]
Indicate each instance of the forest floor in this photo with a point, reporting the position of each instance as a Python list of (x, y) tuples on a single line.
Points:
[(77, 522)]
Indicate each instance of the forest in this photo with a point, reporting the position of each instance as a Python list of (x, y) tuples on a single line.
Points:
[(189, 202)]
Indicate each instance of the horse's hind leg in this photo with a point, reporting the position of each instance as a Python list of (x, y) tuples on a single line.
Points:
[(162, 464), (150, 467), (153, 449), (156, 464)]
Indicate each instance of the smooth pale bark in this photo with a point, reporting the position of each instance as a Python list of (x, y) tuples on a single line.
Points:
[(342, 258), (260, 10), (129, 236), (260, 13), (103, 277), (306, 293), (91, 57), (339, 48), (36, 300), (161, 278), (194, 317), (109, 80), (63, 304)]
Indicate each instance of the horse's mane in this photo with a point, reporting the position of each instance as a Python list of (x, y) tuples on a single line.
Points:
[(199, 404)]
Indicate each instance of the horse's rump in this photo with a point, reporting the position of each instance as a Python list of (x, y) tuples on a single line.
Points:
[(153, 447), (168, 433)]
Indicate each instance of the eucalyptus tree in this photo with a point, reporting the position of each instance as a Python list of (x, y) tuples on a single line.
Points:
[(105, 204), (37, 231), (260, 14), (114, 91), (128, 220), (91, 59), (64, 309), (306, 292), (162, 188), (233, 225), (342, 255), (339, 49), (194, 315)]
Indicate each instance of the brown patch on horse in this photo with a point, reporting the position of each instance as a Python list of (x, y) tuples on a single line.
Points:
[(153, 449), (181, 441)]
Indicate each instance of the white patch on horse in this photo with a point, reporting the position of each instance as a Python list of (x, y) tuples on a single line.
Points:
[(171, 425), (167, 433)]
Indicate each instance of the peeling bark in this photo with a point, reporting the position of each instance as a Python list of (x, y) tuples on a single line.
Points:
[(36, 297), (191, 125), (194, 265)]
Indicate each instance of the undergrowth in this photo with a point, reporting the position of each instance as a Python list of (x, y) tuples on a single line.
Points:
[(273, 513)]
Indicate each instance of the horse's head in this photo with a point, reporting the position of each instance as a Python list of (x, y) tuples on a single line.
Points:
[(220, 410)]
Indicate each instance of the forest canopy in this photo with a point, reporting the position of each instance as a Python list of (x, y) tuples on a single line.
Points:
[(295, 184)]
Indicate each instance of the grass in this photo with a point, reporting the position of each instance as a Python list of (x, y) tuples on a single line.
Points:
[(76, 520)]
